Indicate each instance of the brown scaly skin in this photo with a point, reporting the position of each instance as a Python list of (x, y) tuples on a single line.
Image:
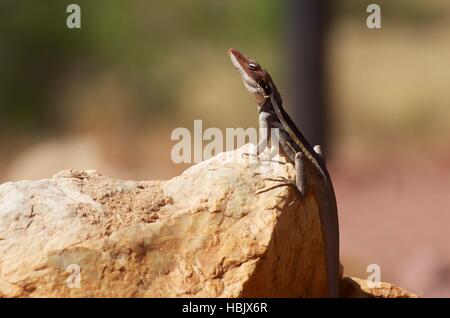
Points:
[(309, 164)]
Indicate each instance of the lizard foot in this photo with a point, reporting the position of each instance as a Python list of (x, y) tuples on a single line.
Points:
[(261, 160), (245, 154), (282, 181)]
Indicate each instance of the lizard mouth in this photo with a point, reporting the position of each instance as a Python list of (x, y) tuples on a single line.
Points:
[(247, 79)]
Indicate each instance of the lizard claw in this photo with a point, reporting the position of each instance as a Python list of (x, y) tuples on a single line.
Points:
[(249, 154), (282, 181), (258, 157), (246, 154)]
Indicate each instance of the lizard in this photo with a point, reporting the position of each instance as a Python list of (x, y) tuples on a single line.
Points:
[(311, 173)]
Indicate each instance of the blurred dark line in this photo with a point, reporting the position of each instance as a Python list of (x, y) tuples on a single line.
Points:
[(306, 36)]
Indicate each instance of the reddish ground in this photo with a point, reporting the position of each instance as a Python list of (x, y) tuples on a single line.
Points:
[(395, 212)]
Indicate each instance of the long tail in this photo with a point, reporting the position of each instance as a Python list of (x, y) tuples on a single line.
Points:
[(330, 230)]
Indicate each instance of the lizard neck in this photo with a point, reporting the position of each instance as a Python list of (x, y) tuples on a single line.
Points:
[(265, 106), (276, 94), (266, 102)]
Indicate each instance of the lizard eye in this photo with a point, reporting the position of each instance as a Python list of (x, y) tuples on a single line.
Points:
[(252, 66)]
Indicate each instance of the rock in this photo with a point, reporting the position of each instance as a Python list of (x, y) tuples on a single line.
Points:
[(352, 287), (205, 233)]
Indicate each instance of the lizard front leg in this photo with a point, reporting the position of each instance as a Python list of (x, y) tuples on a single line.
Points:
[(265, 139), (298, 158)]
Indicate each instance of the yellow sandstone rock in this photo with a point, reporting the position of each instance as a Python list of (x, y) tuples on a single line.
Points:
[(204, 233), (352, 287)]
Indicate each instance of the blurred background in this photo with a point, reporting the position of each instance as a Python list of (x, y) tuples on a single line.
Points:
[(108, 95)]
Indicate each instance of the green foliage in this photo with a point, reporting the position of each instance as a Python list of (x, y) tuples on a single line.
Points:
[(132, 37)]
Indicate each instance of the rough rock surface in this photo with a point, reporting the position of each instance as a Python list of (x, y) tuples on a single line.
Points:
[(352, 287), (205, 233)]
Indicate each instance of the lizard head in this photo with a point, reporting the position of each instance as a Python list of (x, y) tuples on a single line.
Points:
[(256, 79)]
